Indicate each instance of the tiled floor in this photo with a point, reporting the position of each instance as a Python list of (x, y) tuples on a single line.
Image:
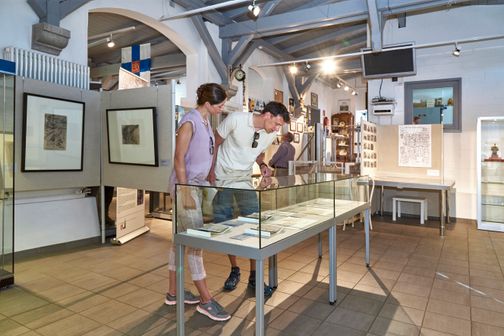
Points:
[(419, 284)]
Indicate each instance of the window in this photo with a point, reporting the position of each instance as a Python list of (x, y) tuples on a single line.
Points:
[(434, 102)]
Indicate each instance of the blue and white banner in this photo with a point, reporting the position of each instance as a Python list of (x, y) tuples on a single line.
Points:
[(137, 59)]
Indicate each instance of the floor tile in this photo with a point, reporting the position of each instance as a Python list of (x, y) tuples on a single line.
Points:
[(447, 324), (69, 326)]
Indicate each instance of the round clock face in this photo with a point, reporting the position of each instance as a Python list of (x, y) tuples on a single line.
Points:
[(239, 75)]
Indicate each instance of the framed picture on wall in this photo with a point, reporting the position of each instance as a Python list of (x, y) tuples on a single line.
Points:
[(132, 136), (278, 96), (299, 127), (314, 100), (344, 105), (296, 137), (53, 134), (292, 126)]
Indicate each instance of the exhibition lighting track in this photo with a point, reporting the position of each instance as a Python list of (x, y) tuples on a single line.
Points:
[(202, 9), (417, 46)]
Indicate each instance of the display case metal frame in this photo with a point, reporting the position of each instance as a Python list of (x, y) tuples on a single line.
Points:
[(493, 202), (269, 251)]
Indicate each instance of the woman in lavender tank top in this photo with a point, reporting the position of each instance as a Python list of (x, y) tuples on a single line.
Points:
[(194, 151)]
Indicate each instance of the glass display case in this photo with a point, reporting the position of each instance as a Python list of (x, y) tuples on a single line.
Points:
[(258, 212), (6, 178), (260, 217), (490, 173)]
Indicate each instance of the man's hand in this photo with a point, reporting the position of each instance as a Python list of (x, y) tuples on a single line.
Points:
[(187, 199), (265, 170)]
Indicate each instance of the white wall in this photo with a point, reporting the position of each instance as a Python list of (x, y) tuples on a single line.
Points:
[(481, 67)]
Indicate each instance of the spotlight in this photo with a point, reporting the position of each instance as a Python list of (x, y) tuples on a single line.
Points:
[(338, 85), (346, 88), (307, 66), (293, 69), (456, 51), (328, 66), (354, 93), (110, 42), (254, 9)]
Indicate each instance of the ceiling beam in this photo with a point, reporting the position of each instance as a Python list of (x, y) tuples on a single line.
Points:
[(354, 44), (212, 49), (346, 11), (213, 16), (335, 36), (374, 22)]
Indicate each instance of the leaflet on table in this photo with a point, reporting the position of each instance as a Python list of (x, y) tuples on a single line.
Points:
[(208, 230), (264, 231)]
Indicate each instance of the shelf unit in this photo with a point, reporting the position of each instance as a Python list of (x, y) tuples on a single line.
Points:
[(343, 124), (490, 168)]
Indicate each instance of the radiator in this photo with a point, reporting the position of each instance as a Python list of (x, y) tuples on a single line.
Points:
[(36, 65)]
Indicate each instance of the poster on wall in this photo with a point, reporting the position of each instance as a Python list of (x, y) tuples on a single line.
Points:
[(415, 146), (53, 134)]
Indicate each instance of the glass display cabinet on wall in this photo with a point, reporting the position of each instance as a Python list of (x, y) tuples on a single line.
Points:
[(434, 102), (490, 167)]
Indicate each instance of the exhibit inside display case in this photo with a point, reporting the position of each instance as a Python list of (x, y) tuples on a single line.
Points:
[(490, 173), (258, 212)]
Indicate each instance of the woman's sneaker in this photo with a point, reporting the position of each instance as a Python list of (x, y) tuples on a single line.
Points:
[(189, 298), (213, 310)]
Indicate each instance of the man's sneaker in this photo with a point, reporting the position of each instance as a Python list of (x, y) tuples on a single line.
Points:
[(213, 310), (189, 298), (268, 291), (233, 279)]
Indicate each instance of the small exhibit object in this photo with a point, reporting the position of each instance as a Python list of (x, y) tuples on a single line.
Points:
[(495, 156)]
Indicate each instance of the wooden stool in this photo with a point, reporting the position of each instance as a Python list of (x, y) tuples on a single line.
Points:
[(396, 204)]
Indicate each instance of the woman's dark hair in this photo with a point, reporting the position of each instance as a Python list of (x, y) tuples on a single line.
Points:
[(212, 93)]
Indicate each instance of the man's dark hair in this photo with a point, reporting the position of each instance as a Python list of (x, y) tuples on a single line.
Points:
[(289, 136), (277, 109)]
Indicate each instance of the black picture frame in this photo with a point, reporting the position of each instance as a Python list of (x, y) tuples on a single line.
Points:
[(297, 137), (132, 136), (51, 139)]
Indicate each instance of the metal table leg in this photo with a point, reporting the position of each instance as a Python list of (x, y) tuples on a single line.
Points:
[(273, 271), (259, 297), (442, 214), (382, 194), (320, 245), (332, 265), (179, 262), (367, 216), (447, 207)]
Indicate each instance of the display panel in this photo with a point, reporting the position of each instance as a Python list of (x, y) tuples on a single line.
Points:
[(132, 136), (389, 63), (53, 134)]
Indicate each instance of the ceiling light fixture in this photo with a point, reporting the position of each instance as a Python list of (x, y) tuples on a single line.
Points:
[(456, 51), (339, 85), (110, 42), (354, 93), (293, 69), (328, 66), (307, 66), (346, 88), (254, 9)]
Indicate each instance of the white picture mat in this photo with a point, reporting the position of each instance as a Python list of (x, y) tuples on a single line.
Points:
[(38, 158), (415, 146), (142, 153)]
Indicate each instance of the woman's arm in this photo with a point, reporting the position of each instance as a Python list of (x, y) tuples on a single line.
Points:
[(182, 141)]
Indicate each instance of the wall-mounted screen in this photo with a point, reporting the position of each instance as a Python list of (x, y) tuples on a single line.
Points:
[(389, 63)]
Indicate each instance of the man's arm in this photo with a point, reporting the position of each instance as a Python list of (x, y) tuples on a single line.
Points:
[(265, 170)]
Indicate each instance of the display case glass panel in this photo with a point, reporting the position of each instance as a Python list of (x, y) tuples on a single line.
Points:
[(262, 211), (491, 173), (6, 179)]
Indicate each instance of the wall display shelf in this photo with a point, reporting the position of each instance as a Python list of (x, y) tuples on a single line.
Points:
[(343, 124), (270, 215), (490, 193)]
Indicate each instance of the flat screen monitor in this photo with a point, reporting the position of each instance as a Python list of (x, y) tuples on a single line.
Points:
[(389, 63)]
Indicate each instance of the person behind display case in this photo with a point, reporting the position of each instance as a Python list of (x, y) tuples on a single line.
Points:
[(241, 140), (194, 151), (284, 154)]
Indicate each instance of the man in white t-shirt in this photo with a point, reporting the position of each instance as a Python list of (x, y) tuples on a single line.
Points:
[(240, 140)]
